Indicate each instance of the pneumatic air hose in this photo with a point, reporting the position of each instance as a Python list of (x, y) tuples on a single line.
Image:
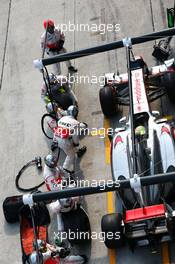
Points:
[(38, 162)]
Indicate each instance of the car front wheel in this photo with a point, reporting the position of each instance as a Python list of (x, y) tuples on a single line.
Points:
[(112, 229), (107, 100)]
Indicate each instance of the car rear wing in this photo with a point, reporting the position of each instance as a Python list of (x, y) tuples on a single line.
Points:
[(135, 182), (40, 63)]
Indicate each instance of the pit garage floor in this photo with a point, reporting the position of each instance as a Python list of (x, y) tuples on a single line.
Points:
[(21, 108)]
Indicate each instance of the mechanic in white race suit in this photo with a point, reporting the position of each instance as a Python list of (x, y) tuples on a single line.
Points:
[(57, 178), (53, 42), (66, 137), (53, 174)]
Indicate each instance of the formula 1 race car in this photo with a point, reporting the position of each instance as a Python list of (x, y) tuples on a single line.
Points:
[(143, 146), (142, 151)]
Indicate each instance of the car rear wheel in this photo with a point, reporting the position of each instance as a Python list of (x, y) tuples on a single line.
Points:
[(11, 208), (76, 223), (107, 100), (168, 81), (111, 225)]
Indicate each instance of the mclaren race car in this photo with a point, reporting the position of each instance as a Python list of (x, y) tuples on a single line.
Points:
[(143, 146)]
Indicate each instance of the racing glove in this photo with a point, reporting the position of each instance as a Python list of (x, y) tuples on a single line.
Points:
[(81, 151), (60, 44), (76, 144), (54, 254), (63, 252)]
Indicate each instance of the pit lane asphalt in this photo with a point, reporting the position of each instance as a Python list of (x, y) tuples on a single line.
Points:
[(21, 108)]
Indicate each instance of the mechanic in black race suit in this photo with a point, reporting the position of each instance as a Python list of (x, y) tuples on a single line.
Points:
[(59, 89)]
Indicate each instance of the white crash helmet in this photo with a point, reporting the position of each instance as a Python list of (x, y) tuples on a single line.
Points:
[(50, 160), (33, 258), (52, 79), (72, 110), (51, 108)]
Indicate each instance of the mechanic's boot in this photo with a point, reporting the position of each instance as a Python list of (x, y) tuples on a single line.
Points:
[(84, 258), (54, 146), (81, 151), (71, 179), (72, 69), (68, 171)]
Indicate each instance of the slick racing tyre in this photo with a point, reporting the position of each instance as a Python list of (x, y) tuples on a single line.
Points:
[(76, 223), (168, 81), (107, 101), (111, 225), (47, 131), (11, 208), (169, 188)]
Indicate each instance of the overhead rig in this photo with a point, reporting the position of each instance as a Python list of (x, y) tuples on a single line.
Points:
[(40, 63)]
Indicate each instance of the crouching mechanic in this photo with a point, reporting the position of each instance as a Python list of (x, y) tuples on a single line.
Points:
[(55, 113), (49, 254), (53, 175), (66, 137), (53, 41)]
